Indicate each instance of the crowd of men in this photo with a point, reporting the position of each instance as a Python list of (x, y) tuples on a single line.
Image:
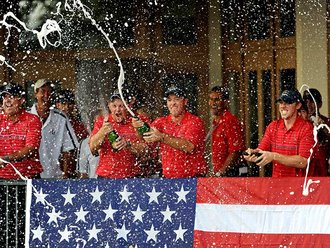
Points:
[(50, 141)]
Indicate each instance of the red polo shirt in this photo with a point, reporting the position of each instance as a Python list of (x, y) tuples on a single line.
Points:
[(298, 140), (319, 161), (176, 163), (14, 136), (119, 164), (227, 138)]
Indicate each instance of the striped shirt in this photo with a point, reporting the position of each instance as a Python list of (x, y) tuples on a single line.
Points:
[(57, 137), (25, 132), (298, 140)]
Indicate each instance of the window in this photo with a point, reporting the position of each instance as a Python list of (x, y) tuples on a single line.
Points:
[(287, 79), (258, 18), (287, 18), (179, 23)]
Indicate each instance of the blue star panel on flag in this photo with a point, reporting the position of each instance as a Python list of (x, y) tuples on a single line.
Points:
[(112, 213)]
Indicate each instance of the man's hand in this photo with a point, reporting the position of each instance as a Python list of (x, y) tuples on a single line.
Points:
[(136, 122), (120, 144), (265, 158), (106, 128), (251, 155), (153, 135)]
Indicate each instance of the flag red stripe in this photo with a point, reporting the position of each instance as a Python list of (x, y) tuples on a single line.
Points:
[(266, 191), (216, 239)]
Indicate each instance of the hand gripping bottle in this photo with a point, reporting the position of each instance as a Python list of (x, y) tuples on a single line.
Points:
[(113, 136), (143, 129)]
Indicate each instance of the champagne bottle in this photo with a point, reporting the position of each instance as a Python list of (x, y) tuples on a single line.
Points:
[(113, 136), (143, 129)]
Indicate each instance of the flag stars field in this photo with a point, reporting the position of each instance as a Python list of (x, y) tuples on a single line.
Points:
[(117, 213)]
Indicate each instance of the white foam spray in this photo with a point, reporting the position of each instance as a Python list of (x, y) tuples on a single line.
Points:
[(316, 128)]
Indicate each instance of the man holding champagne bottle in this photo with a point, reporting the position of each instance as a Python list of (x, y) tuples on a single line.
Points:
[(116, 141), (181, 136)]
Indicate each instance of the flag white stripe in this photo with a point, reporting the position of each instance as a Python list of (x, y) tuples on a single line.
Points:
[(267, 219)]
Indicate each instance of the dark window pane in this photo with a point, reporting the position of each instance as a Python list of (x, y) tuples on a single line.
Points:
[(179, 23), (288, 79), (267, 96), (258, 20), (231, 24), (253, 105), (287, 18), (267, 107)]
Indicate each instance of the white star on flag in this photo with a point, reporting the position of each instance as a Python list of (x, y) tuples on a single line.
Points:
[(68, 197), (65, 234), (179, 233), (81, 214), (37, 233), (182, 194), (93, 233), (53, 216), (40, 197), (125, 194), (109, 213), (97, 195), (167, 214), (153, 195), (122, 232), (151, 233), (138, 214)]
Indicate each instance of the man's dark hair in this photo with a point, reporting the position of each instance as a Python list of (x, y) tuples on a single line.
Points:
[(224, 91), (315, 93)]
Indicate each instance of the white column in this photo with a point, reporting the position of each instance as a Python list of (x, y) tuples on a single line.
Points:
[(311, 44)]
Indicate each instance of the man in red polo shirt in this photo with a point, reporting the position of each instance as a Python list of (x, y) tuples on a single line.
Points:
[(228, 141), (181, 136), (20, 135), (287, 142), (119, 159)]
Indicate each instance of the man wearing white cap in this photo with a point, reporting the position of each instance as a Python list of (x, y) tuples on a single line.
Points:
[(58, 141)]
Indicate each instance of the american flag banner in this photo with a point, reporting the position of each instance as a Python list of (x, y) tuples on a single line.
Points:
[(111, 213), (204, 212), (262, 212)]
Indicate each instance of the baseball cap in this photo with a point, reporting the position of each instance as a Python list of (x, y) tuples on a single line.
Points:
[(13, 89), (174, 90), (40, 83), (115, 95), (290, 96), (313, 92)]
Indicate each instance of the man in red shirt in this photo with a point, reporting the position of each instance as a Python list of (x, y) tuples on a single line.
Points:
[(181, 136), (227, 135), (20, 135), (319, 161), (119, 159), (287, 142)]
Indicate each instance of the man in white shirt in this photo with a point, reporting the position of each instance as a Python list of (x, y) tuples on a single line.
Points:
[(59, 142)]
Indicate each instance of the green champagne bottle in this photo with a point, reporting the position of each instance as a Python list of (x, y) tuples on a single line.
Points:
[(113, 136), (143, 129)]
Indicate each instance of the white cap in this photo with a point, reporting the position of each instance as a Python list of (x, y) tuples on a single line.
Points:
[(40, 83)]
